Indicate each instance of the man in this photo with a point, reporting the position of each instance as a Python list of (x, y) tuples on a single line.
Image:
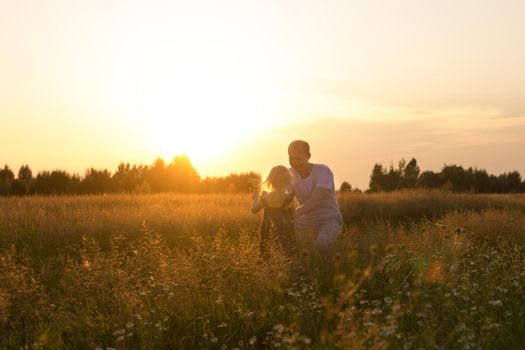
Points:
[(313, 185)]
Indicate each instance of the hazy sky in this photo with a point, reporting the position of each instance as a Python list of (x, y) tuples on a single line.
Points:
[(230, 83)]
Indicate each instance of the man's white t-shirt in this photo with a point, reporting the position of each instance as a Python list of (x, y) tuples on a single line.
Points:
[(320, 176)]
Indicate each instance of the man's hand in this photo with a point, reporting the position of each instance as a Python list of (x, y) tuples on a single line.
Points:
[(313, 202)]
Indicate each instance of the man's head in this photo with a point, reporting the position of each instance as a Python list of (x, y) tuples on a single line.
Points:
[(299, 154)]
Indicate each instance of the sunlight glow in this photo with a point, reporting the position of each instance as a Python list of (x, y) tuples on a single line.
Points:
[(189, 104)]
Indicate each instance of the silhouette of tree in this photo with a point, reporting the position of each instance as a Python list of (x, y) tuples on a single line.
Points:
[(430, 179), (233, 183), (410, 174), (57, 182), (7, 178), (456, 176), (127, 178), (22, 185), (96, 181), (393, 177), (157, 176), (377, 178), (182, 175), (513, 181), (481, 181), (345, 187)]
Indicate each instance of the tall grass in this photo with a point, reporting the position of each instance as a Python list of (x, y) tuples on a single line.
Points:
[(175, 271)]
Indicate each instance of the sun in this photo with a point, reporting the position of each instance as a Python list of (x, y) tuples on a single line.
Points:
[(199, 110), (195, 98), (202, 122)]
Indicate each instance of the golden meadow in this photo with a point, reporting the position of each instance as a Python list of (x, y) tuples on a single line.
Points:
[(412, 270)]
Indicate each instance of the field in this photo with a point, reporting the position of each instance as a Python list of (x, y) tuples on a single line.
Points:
[(412, 270)]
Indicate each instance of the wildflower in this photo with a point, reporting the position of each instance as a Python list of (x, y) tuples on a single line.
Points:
[(129, 325), (222, 325), (388, 301), (252, 340), (119, 332), (278, 328), (495, 302), (377, 311)]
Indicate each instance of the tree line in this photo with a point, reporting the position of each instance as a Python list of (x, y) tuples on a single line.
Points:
[(453, 178), (177, 176), (180, 176)]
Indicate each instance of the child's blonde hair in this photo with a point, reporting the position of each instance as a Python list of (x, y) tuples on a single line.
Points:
[(279, 179)]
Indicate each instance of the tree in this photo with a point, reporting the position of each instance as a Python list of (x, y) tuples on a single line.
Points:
[(127, 178), (430, 179), (157, 177), (377, 178), (345, 187), (182, 176), (24, 180), (481, 181), (97, 181), (410, 174), (7, 178), (457, 177), (57, 182), (513, 180), (393, 177), (234, 183)]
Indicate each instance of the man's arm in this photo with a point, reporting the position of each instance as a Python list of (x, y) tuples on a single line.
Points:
[(311, 203)]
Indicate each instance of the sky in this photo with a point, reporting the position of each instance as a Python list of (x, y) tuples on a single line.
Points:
[(231, 83)]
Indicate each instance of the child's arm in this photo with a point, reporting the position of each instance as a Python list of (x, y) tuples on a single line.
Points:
[(256, 202)]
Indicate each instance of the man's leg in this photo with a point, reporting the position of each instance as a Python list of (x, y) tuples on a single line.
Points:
[(303, 227), (327, 233)]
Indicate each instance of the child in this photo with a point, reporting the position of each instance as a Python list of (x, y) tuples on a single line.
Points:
[(278, 205)]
